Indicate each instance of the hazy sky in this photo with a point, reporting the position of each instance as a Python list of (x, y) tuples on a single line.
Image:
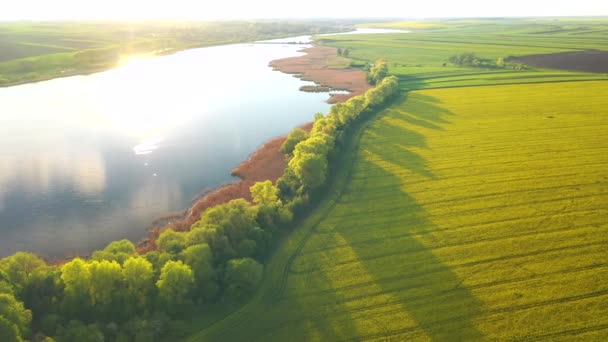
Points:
[(222, 9)]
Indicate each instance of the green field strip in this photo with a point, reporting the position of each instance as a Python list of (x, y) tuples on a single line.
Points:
[(334, 262), (509, 270), (358, 235), (528, 223)]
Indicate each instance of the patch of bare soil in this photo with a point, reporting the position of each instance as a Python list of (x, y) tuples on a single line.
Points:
[(590, 61), (315, 66)]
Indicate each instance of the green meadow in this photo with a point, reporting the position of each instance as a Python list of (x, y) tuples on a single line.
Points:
[(472, 208), (420, 58)]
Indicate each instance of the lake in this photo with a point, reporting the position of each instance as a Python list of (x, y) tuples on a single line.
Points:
[(86, 160)]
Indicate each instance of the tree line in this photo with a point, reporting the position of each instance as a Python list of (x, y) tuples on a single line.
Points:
[(120, 295), (470, 59)]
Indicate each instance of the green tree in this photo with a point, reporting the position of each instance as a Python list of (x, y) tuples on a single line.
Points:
[(320, 143), (16, 317), (138, 276), (171, 241), (242, 277), (264, 193), (500, 62), (106, 282), (175, 286), (76, 278), (234, 220), (9, 331), (377, 72), (5, 284), (116, 251), (339, 52), (18, 267), (200, 260), (200, 233), (293, 138), (43, 290), (76, 331), (310, 168)]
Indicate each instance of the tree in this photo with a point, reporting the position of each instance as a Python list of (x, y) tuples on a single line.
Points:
[(273, 216), (293, 138), (234, 221), (42, 290), (5, 284), (339, 51), (500, 62), (15, 318), (175, 286), (200, 233), (106, 281), (377, 72), (76, 331), (8, 331), (346, 52), (76, 278), (199, 258), (264, 193), (116, 251), (171, 241), (138, 275), (310, 168), (18, 267), (320, 143), (242, 277)]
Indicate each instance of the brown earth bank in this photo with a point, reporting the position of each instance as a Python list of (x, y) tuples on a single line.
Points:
[(268, 162), (590, 61), (316, 66)]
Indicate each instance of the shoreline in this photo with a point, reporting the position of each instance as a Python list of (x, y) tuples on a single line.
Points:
[(315, 66), (150, 54), (95, 70), (267, 162)]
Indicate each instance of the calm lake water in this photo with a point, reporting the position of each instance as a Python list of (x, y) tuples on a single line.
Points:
[(86, 160)]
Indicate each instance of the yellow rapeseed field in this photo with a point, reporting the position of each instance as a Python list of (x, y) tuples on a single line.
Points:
[(470, 213)]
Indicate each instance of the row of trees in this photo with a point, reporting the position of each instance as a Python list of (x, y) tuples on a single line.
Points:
[(377, 72), (343, 52), (120, 295), (472, 60)]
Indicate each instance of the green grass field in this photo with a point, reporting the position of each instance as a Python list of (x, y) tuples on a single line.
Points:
[(418, 57), (468, 213)]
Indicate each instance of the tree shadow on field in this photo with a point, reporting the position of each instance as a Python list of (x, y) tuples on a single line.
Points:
[(396, 135), (406, 288), (369, 267)]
